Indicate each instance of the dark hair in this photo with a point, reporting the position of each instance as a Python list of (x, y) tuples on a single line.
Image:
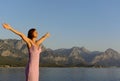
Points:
[(30, 33)]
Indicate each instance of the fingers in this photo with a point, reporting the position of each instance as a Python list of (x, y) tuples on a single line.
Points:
[(48, 34), (6, 26)]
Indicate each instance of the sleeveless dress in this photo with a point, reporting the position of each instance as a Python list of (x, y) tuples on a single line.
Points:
[(32, 68)]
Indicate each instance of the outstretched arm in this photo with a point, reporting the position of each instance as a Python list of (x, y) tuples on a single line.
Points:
[(8, 27), (43, 38)]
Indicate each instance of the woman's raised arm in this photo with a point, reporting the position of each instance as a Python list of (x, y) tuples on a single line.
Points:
[(43, 38), (8, 27)]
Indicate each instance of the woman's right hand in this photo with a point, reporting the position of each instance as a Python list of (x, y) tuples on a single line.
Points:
[(6, 26), (47, 34)]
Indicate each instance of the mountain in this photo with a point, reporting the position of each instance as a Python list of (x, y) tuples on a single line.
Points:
[(62, 57), (14, 52), (12, 48), (108, 58)]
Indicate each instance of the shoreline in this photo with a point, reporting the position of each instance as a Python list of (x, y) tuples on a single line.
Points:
[(57, 67)]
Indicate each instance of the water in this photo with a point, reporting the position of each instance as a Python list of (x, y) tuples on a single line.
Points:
[(64, 74)]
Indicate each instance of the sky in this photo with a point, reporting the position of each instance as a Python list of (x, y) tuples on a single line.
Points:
[(93, 24)]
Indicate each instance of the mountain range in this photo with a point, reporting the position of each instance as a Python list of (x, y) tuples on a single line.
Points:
[(14, 52)]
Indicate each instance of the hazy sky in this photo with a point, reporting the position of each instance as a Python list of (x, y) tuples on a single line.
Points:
[(94, 24)]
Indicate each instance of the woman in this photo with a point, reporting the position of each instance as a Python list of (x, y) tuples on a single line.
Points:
[(32, 68)]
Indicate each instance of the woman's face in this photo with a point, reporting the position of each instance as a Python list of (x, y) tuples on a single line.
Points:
[(35, 34)]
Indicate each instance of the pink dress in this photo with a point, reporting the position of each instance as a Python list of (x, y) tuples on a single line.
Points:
[(32, 68)]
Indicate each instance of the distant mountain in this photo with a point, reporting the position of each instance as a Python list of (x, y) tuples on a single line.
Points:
[(108, 58), (14, 52), (12, 48)]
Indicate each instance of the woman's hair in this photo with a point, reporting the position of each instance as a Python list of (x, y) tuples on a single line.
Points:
[(30, 33)]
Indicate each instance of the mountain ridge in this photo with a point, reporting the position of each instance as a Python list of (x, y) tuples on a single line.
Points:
[(15, 53)]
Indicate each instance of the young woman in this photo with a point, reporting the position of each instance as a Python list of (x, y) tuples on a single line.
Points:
[(32, 68)]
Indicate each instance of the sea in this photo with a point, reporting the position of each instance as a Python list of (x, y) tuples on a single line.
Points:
[(63, 74)]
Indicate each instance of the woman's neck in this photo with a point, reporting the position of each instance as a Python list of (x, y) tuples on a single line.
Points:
[(34, 40)]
